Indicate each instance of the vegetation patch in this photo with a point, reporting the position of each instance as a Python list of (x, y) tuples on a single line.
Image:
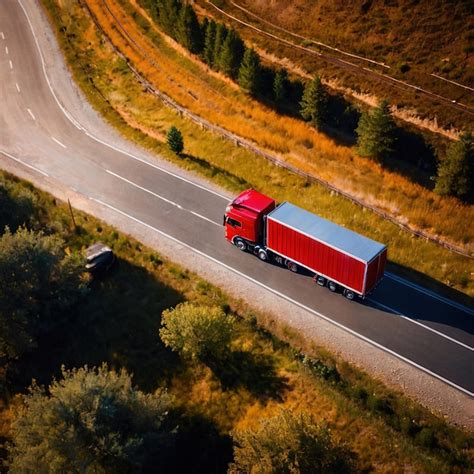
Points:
[(189, 397)]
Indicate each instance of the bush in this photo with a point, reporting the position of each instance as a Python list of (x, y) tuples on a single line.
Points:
[(197, 332), (290, 443)]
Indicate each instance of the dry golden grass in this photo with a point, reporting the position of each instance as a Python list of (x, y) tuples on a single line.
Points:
[(211, 97)]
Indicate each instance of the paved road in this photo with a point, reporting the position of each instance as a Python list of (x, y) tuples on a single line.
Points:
[(431, 333)]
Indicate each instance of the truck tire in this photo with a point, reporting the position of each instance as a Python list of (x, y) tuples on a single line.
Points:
[(262, 255), (320, 280), (240, 244), (349, 294), (332, 286), (292, 266)]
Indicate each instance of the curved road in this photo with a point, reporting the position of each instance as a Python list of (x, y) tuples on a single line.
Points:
[(421, 328)]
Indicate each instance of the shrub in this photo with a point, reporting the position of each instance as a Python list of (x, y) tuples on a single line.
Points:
[(175, 140)]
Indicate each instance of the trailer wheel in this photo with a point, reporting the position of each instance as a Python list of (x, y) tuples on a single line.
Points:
[(292, 266), (332, 286), (349, 294), (240, 244), (262, 255), (320, 280)]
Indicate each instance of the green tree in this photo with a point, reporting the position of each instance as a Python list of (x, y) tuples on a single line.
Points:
[(38, 282), (168, 15), (189, 30), (376, 133), (313, 105), (175, 140), (249, 72), (231, 54), (197, 332), (289, 443), (280, 86), (92, 420), (16, 205), (221, 34), (209, 43), (455, 175)]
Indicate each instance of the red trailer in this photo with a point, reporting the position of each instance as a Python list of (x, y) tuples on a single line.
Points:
[(289, 235)]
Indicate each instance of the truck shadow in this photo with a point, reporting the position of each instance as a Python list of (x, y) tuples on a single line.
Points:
[(254, 372)]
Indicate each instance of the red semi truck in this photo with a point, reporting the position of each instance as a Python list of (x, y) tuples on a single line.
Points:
[(291, 236)]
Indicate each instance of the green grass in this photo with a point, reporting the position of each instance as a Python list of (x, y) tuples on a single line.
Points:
[(118, 320), (112, 87)]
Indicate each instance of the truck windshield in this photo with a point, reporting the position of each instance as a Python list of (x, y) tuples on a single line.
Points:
[(233, 222)]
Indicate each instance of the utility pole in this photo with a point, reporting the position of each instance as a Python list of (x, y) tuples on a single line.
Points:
[(72, 214)]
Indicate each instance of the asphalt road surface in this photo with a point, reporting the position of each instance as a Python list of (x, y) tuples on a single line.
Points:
[(419, 327)]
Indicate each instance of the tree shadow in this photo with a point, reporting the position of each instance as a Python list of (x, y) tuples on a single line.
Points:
[(216, 170), (255, 372), (207, 450), (116, 322)]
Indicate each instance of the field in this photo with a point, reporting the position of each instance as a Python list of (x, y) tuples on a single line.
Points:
[(118, 323), (141, 116)]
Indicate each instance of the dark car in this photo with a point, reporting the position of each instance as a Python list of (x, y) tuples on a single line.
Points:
[(99, 258)]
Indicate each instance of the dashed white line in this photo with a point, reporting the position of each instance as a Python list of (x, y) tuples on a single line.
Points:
[(287, 298), (161, 197), (10, 63), (58, 142), (3, 36), (17, 87), (32, 115), (6, 50), (23, 163), (414, 321)]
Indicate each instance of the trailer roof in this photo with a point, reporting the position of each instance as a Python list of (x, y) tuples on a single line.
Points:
[(326, 231)]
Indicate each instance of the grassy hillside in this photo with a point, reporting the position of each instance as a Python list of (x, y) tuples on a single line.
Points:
[(117, 322), (414, 38)]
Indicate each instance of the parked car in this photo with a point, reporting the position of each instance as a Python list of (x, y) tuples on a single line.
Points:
[(99, 258)]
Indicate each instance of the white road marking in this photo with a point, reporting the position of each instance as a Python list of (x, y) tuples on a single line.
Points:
[(58, 142), (80, 127), (24, 163), (419, 288), (161, 197), (31, 114), (6, 50), (3, 36), (17, 87), (414, 321), (287, 298), (10, 63)]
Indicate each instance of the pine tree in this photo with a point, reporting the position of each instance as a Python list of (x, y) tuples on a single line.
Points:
[(231, 54), (175, 140), (456, 172), (168, 15), (221, 34), (249, 72), (189, 30), (280, 86), (209, 43), (376, 133), (314, 102)]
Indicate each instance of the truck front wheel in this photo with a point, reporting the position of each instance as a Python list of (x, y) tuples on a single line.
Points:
[(240, 244)]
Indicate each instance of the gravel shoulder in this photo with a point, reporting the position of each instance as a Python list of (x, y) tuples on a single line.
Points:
[(455, 406)]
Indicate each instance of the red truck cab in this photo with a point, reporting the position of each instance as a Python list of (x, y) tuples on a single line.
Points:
[(243, 218)]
